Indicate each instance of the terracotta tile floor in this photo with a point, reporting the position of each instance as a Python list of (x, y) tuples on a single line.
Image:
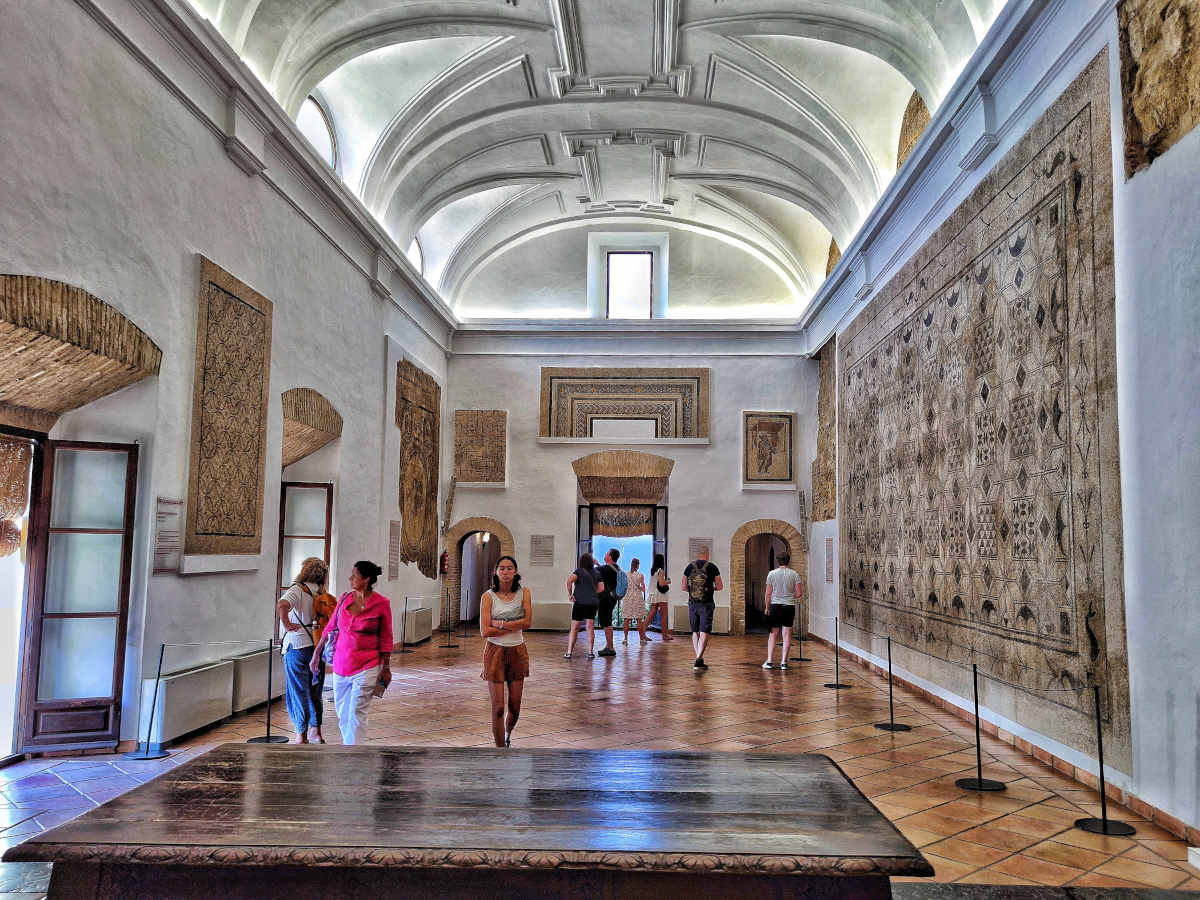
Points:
[(648, 696)]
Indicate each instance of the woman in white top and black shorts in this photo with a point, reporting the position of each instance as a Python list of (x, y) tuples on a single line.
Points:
[(504, 613), (783, 590)]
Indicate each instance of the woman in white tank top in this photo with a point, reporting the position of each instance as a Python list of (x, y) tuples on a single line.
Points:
[(504, 613)]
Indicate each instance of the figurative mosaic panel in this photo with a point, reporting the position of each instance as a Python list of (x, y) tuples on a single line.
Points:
[(676, 399), (418, 416), (229, 416), (1160, 76), (980, 498), (480, 445), (766, 447), (824, 466)]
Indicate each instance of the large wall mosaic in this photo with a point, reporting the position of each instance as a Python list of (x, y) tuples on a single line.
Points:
[(480, 445), (418, 416), (1160, 76), (675, 399), (981, 516), (229, 416), (824, 466)]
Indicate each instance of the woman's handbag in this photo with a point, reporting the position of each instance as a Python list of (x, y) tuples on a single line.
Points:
[(331, 640)]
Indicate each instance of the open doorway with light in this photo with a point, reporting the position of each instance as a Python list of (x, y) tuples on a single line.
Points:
[(479, 552), (637, 531), (761, 553), (19, 455)]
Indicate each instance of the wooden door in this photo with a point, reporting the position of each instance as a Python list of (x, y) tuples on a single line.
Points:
[(81, 548)]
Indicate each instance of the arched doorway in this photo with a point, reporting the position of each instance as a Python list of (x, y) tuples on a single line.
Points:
[(761, 552), (737, 565), (478, 553), (454, 540)]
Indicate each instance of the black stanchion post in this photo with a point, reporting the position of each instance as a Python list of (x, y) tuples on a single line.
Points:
[(145, 752), (837, 670), (404, 628), (979, 783), (800, 657), (269, 738), (449, 626), (890, 724), (1103, 825)]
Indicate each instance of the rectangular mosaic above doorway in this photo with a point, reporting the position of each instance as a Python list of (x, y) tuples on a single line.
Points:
[(767, 447), (979, 484), (675, 399)]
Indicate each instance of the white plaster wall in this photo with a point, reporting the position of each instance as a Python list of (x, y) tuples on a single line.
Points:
[(1158, 356), (111, 184), (705, 494)]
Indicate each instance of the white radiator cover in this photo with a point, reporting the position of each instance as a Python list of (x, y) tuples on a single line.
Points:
[(250, 678), (187, 700)]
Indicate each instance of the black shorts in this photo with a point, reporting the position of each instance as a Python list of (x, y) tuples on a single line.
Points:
[(700, 616), (581, 612), (605, 617), (781, 615)]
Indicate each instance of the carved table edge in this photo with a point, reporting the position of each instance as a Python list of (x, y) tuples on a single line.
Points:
[(741, 864)]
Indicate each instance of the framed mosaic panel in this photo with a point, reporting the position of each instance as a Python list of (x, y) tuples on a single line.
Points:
[(230, 403), (977, 433), (676, 399), (480, 446), (767, 447)]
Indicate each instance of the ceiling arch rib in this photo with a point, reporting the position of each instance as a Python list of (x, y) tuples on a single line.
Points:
[(802, 155), (766, 125), (921, 60), (297, 78), (541, 205)]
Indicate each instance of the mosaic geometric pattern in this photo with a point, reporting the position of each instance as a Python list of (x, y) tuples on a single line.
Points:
[(480, 444), (676, 399), (980, 503), (418, 416), (229, 416)]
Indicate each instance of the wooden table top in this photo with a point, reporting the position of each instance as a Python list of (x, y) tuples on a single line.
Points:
[(641, 810)]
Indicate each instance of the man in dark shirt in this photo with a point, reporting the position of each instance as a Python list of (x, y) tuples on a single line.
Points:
[(701, 579), (608, 598)]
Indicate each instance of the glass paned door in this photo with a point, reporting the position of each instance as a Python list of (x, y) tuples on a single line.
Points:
[(305, 526), (80, 553)]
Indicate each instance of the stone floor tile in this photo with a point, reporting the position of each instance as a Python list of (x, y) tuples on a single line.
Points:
[(1040, 871), (1142, 873)]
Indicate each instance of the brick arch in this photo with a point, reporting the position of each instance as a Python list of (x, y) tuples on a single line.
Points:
[(737, 567), (453, 537)]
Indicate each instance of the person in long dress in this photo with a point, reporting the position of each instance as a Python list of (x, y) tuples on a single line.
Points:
[(635, 601)]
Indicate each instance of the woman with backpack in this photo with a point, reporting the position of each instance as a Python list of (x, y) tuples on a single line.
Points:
[(581, 591), (360, 631), (297, 619)]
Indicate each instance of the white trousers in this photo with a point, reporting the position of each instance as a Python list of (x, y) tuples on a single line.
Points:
[(351, 696)]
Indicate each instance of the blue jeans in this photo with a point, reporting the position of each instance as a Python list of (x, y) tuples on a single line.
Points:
[(301, 695)]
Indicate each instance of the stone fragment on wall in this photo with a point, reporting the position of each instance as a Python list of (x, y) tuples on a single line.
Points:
[(824, 466), (1160, 76), (230, 402), (767, 447), (912, 126), (418, 416), (978, 473), (480, 445), (309, 423), (835, 255)]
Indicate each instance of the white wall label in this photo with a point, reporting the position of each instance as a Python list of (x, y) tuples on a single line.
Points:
[(541, 550), (168, 536), (829, 560), (394, 550), (696, 545)]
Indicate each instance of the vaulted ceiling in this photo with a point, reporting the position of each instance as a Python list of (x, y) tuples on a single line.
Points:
[(497, 133)]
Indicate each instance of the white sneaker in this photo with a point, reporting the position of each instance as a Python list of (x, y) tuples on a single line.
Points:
[(768, 665), (783, 665)]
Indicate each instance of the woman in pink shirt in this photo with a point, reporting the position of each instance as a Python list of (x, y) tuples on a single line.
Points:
[(362, 649)]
